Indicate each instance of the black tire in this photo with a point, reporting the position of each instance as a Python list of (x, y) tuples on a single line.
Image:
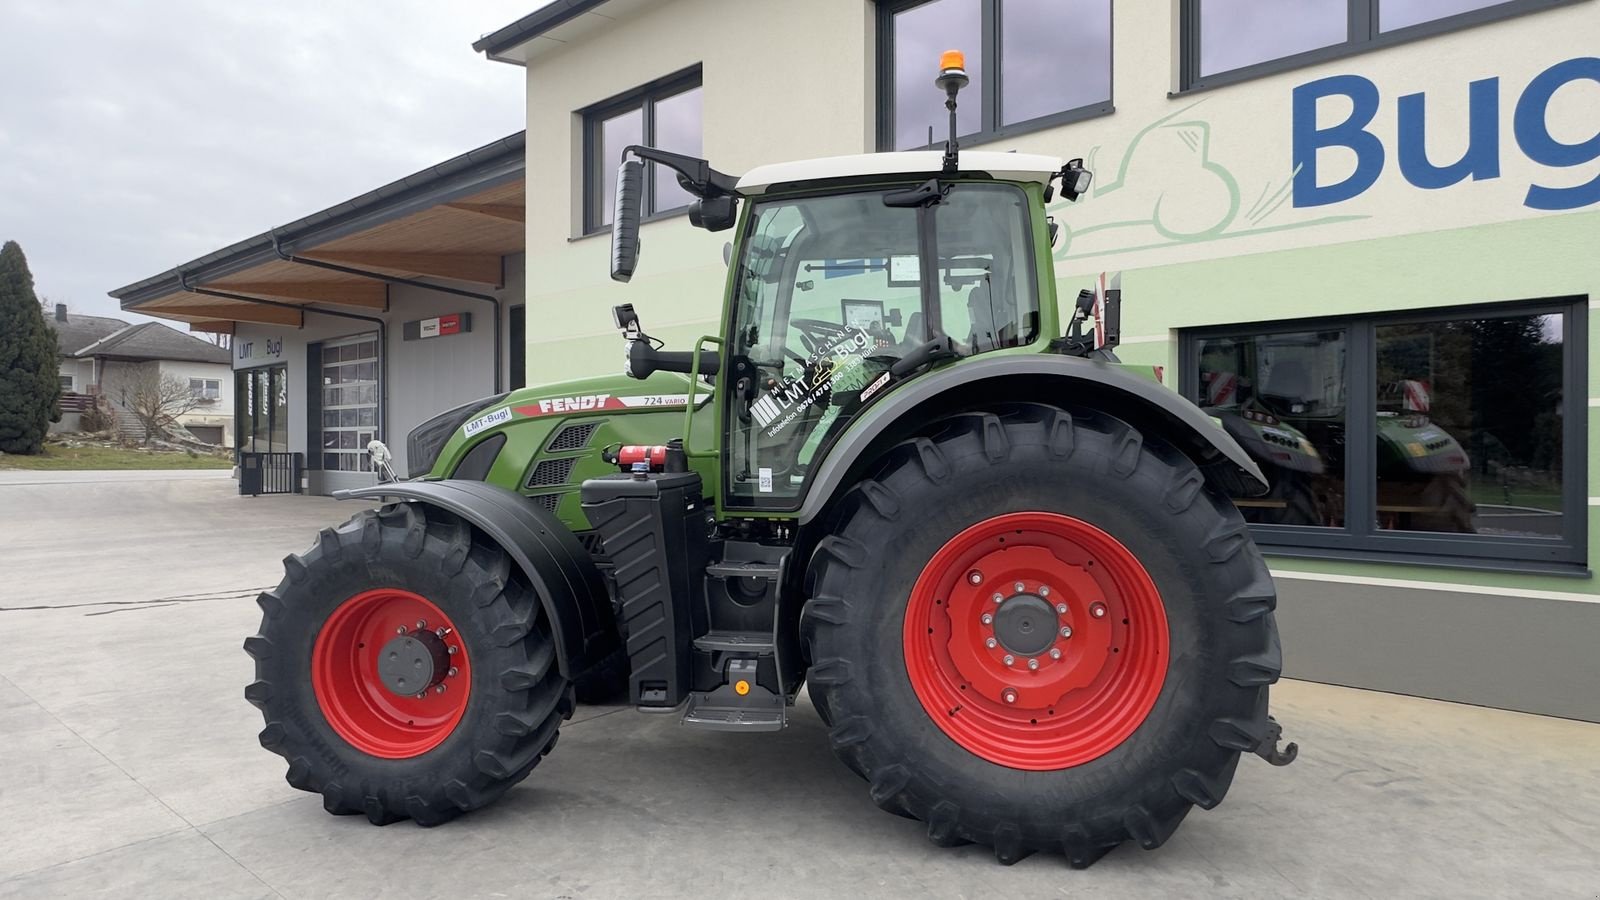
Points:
[(517, 697), (1300, 505), (1451, 507), (1215, 588)]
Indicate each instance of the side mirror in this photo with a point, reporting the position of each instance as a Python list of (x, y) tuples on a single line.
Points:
[(625, 219), (714, 213)]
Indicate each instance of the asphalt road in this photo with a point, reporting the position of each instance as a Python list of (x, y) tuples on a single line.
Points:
[(129, 765)]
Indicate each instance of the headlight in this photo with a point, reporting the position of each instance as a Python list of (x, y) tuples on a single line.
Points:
[(425, 441)]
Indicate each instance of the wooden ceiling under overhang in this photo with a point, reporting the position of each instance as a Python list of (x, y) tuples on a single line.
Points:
[(462, 241)]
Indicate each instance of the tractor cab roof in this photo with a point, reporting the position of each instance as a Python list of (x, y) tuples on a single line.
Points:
[(999, 166)]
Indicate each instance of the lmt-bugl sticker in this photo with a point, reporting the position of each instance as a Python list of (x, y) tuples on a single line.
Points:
[(786, 401)]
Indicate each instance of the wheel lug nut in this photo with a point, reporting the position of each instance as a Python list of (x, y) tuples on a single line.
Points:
[(1055, 652), (987, 618), (1098, 610), (439, 631), (1044, 590), (1009, 659), (452, 672), (975, 577), (421, 624), (450, 650), (423, 695), (990, 643), (399, 629), (1066, 631), (1061, 608), (1010, 695), (999, 598), (1020, 587), (1033, 664), (439, 689)]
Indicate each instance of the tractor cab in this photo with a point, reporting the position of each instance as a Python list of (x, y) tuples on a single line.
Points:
[(850, 275)]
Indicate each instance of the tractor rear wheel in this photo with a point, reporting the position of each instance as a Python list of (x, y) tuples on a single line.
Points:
[(405, 669), (1039, 630)]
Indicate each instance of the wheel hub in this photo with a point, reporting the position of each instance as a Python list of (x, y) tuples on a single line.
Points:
[(413, 662), (390, 672), (1036, 640), (1025, 624)]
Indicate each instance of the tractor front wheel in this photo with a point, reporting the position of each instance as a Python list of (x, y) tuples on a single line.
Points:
[(404, 668), (1038, 630)]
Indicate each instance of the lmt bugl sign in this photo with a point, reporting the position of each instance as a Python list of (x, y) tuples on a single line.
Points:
[(1480, 161), (265, 348)]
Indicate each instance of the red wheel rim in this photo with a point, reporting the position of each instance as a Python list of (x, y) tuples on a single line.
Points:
[(356, 702), (1056, 705)]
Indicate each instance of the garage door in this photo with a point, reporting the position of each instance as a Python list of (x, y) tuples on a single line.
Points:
[(211, 434)]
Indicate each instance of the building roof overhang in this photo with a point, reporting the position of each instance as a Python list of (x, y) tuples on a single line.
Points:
[(453, 222)]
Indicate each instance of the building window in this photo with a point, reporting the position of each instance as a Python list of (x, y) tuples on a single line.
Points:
[(208, 389), (261, 413), (666, 115), (1033, 63), (1436, 434), (349, 402), (66, 382), (1232, 40)]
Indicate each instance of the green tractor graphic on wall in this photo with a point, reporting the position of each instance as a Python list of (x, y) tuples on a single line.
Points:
[(1281, 396), (1005, 566)]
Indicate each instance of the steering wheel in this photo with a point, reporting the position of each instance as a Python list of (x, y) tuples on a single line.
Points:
[(814, 331)]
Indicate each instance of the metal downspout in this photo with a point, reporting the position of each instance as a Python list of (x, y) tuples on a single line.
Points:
[(383, 341), (493, 301)]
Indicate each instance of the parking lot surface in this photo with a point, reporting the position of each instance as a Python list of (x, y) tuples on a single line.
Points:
[(129, 765)]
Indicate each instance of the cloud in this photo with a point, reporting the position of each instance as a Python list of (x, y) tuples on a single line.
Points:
[(135, 136)]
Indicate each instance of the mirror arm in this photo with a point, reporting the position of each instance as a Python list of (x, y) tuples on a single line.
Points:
[(695, 174)]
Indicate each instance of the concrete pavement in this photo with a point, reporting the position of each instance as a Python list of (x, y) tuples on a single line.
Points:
[(129, 764)]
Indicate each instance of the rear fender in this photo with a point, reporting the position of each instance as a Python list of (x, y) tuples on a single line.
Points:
[(1055, 380), (569, 586)]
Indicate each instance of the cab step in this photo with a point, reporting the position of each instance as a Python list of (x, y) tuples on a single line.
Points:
[(766, 571), (727, 709), (743, 643)]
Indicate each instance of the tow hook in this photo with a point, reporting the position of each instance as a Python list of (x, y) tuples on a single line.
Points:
[(1268, 750)]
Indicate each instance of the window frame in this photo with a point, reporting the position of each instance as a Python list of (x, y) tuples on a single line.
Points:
[(643, 98), (1360, 539), (208, 391), (1363, 36), (990, 128)]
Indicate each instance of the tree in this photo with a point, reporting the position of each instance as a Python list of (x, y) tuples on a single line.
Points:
[(158, 399), (30, 383)]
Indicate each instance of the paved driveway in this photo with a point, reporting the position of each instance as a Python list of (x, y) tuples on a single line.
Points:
[(129, 764)]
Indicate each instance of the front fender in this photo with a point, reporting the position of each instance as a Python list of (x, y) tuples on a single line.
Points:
[(570, 589), (1060, 380)]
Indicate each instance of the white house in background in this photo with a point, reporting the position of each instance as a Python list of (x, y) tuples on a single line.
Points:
[(74, 332), (116, 361)]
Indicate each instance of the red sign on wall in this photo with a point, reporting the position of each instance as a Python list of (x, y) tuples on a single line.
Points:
[(438, 326)]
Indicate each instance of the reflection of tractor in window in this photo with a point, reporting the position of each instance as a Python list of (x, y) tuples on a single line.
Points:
[(1282, 397)]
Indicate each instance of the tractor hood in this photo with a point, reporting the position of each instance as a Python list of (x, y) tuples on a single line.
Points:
[(444, 435)]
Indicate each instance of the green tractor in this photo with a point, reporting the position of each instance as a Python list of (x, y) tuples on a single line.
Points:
[(1005, 566), (1282, 398)]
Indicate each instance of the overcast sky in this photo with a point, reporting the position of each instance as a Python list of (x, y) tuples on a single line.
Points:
[(135, 135)]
